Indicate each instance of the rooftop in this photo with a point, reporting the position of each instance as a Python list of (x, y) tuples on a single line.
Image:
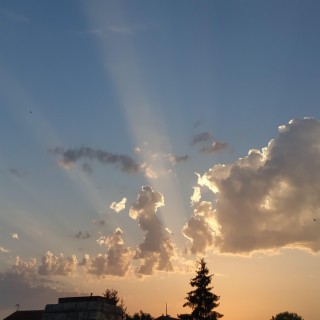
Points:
[(26, 315)]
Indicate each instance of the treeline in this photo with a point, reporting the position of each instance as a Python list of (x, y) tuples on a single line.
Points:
[(201, 301)]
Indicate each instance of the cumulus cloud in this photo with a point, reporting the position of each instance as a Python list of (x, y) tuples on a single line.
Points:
[(201, 228), (201, 137), (71, 156), (214, 147), (119, 206), (157, 249), (196, 196), (21, 283), (116, 261), (82, 235), (268, 199), (61, 266), (14, 236)]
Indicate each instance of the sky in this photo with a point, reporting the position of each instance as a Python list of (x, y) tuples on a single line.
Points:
[(138, 137)]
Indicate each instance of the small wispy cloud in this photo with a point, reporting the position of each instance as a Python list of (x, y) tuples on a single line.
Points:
[(101, 222), (82, 235), (20, 173), (177, 159), (206, 138), (118, 206), (14, 236), (87, 168), (4, 250), (201, 137), (71, 156), (197, 123), (214, 147)]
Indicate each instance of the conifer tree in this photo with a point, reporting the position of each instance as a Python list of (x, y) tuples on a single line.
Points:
[(287, 316), (201, 300)]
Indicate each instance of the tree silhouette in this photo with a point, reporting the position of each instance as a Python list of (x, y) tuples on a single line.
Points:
[(112, 298), (287, 316), (201, 300), (140, 316)]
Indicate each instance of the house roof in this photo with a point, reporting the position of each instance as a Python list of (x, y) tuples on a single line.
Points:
[(25, 315)]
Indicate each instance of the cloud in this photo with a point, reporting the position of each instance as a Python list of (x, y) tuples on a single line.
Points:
[(201, 228), (196, 196), (156, 250), (176, 159), (61, 266), (118, 206), (87, 168), (115, 262), (99, 222), (14, 236), (71, 156), (206, 137), (137, 150), (21, 284), (201, 137), (4, 250), (169, 231), (197, 123), (267, 200), (82, 235), (149, 171), (20, 173), (214, 147)]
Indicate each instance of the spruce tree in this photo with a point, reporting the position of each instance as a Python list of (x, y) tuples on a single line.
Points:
[(201, 300)]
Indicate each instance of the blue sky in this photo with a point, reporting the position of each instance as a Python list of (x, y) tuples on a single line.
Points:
[(134, 105)]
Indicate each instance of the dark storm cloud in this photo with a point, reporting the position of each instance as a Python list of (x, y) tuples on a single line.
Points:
[(71, 156)]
